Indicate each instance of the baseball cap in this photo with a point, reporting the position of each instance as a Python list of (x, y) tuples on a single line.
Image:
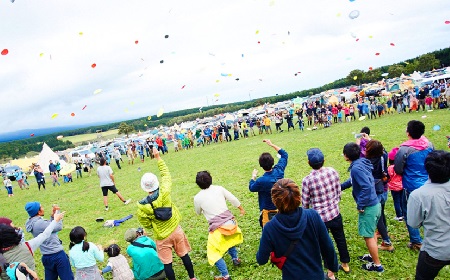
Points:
[(149, 182), (315, 156), (131, 234)]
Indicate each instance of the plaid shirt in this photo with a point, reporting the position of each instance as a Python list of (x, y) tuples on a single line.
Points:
[(321, 190)]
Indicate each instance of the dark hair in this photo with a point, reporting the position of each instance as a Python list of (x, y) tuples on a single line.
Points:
[(8, 237), (112, 250), (286, 195), (415, 129), (437, 164), (266, 161), (352, 151), (203, 179), (77, 235), (102, 161), (374, 149), (316, 166), (365, 130), (391, 162)]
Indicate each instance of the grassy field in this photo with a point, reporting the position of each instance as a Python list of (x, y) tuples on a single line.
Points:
[(231, 165), (78, 139)]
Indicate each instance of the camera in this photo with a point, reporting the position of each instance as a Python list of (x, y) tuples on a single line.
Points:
[(140, 231)]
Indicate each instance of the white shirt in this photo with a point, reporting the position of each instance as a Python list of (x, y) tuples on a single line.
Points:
[(104, 173), (212, 201)]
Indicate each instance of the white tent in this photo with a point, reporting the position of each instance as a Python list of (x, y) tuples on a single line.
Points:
[(45, 156)]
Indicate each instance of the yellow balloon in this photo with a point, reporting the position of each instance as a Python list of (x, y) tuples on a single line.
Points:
[(217, 81), (370, 36), (338, 15), (41, 54), (54, 115), (80, 33), (257, 31), (355, 78), (229, 75), (160, 112), (149, 117), (145, 124), (97, 91), (216, 95)]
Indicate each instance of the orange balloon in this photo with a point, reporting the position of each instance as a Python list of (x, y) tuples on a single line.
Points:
[(73, 114), (93, 65)]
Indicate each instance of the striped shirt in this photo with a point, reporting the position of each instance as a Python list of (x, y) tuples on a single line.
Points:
[(321, 191)]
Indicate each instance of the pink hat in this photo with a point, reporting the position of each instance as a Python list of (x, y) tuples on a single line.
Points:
[(5, 221), (392, 153)]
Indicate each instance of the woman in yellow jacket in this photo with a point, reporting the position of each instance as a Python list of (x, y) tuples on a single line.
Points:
[(158, 212)]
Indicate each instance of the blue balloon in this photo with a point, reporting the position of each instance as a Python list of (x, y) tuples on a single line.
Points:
[(436, 127), (223, 74)]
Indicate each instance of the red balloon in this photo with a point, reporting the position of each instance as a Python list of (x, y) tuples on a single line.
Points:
[(183, 86), (357, 40), (5, 52), (259, 42), (447, 22), (392, 44), (32, 134), (73, 114), (93, 65), (136, 42), (370, 68), (377, 53), (84, 107)]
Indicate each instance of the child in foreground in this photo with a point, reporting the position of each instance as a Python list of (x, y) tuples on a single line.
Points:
[(117, 263), (84, 255)]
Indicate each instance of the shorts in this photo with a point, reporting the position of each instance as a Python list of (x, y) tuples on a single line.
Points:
[(176, 240), (368, 220), (112, 188)]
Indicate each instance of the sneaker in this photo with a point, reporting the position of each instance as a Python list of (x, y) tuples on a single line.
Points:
[(414, 246), (127, 201), (386, 247), (222, 278), (365, 258), (372, 267), (399, 219), (236, 262), (347, 269), (106, 208), (326, 277)]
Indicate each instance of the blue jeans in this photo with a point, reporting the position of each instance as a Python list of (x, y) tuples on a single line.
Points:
[(9, 190), (57, 264), (414, 233), (397, 197), (222, 266)]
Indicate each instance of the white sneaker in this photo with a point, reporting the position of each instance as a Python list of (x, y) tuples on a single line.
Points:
[(127, 201), (106, 208)]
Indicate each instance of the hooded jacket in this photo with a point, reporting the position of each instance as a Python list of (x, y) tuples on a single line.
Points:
[(314, 244), (145, 213), (361, 179), (410, 162), (37, 225)]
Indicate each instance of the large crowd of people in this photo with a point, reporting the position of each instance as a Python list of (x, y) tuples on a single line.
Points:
[(296, 218)]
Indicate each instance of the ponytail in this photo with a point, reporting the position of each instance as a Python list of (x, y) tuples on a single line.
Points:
[(85, 246)]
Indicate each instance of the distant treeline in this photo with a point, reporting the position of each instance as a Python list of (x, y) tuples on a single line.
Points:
[(426, 62)]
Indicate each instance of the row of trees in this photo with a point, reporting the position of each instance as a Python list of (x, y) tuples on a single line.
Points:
[(422, 63)]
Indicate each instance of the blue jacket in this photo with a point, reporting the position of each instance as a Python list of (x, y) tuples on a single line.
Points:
[(314, 244), (146, 262), (52, 168), (410, 163), (361, 179), (263, 185)]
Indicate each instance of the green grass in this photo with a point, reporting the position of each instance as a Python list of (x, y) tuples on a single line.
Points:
[(231, 165), (78, 139)]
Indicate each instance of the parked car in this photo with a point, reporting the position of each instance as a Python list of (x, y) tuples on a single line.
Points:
[(81, 154), (8, 171)]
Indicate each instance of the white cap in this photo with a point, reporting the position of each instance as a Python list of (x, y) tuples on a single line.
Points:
[(149, 182)]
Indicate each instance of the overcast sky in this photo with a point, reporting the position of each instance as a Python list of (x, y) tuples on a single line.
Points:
[(52, 46)]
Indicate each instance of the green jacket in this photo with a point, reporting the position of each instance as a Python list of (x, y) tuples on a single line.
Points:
[(161, 229), (146, 262)]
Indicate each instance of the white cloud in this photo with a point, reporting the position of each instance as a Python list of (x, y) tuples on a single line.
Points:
[(135, 84)]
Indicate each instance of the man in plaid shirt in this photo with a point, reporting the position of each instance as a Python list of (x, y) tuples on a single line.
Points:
[(321, 190)]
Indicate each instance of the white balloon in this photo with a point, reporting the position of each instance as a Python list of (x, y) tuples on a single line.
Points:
[(354, 14)]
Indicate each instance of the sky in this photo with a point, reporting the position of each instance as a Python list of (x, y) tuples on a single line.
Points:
[(52, 46)]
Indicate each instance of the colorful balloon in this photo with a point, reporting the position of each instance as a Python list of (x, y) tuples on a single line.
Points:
[(97, 91), (161, 61), (32, 134), (223, 74), (59, 137), (183, 86), (54, 115), (41, 54), (93, 65), (436, 127), (5, 52), (167, 36), (72, 114), (84, 107), (392, 44), (355, 78), (149, 117), (257, 32), (377, 53), (447, 22), (80, 33), (353, 14), (136, 42)]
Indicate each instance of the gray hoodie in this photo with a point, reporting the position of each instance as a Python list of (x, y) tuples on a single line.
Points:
[(37, 225)]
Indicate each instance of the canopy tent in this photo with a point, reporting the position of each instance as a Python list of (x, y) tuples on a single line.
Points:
[(45, 156), (24, 163)]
